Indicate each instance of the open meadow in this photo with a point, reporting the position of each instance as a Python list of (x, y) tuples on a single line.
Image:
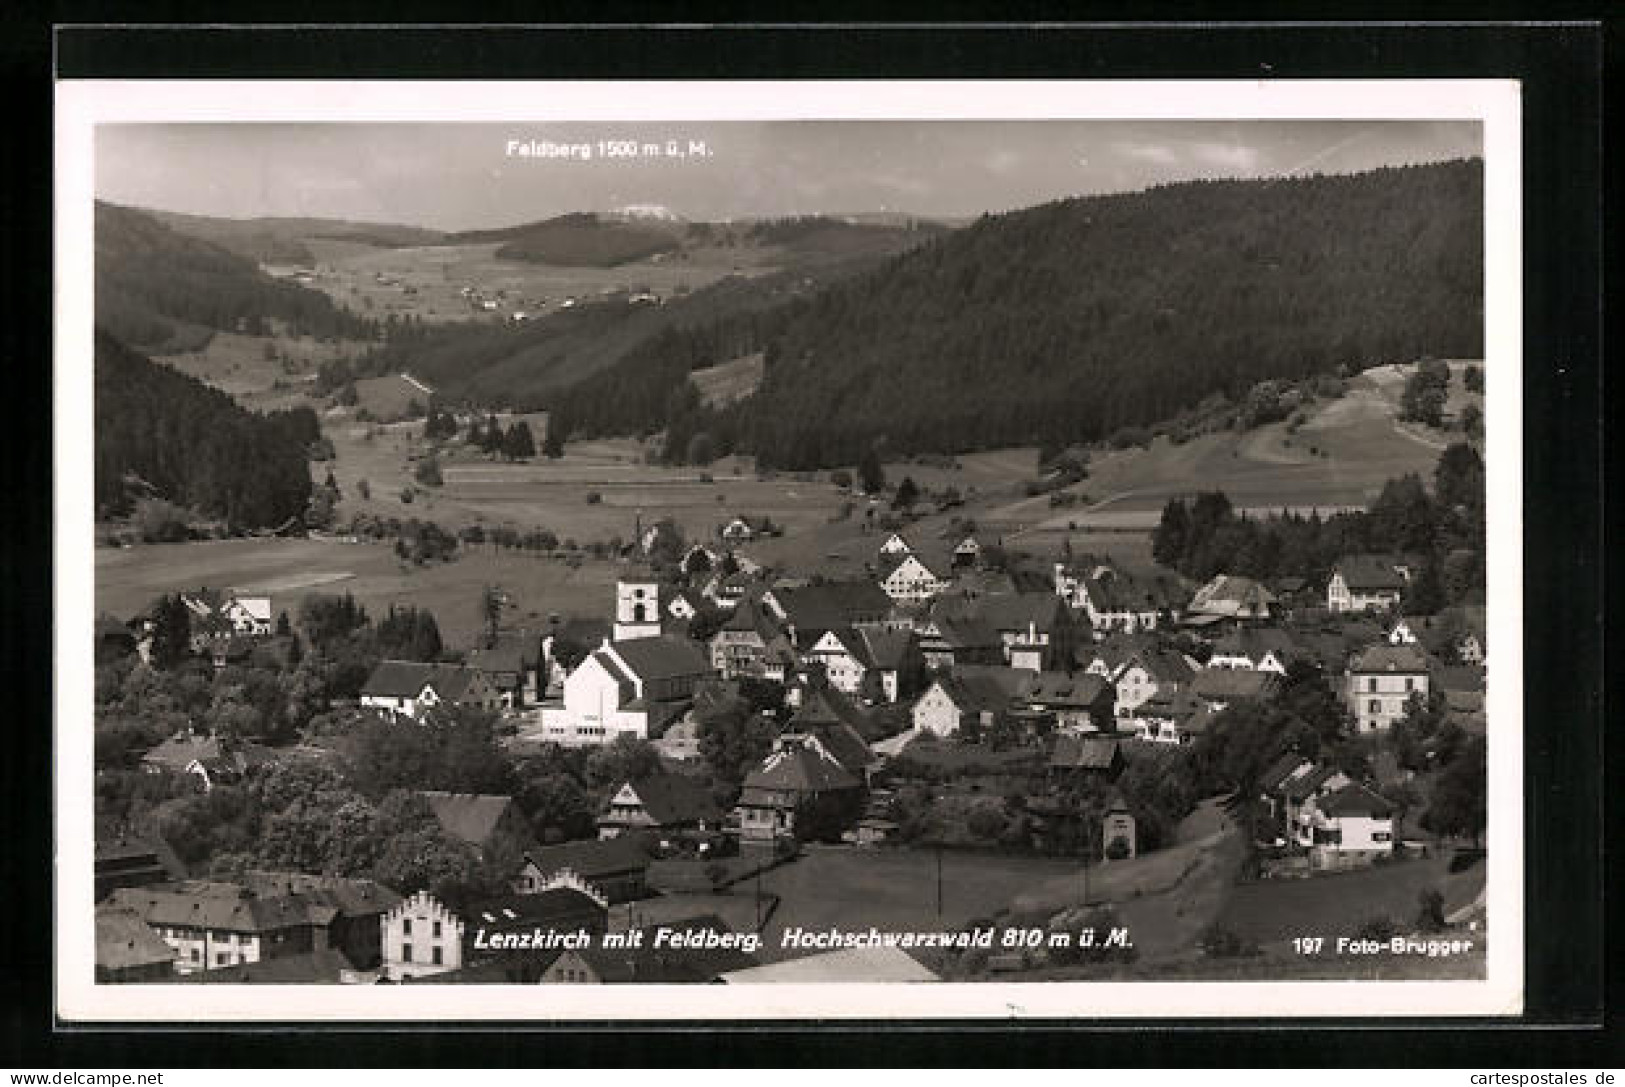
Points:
[(129, 579)]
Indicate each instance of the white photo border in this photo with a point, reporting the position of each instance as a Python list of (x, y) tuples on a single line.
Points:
[(82, 105)]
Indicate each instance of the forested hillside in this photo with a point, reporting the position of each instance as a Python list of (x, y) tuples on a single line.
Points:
[(193, 445), (582, 239), (160, 289), (281, 239), (1067, 321)]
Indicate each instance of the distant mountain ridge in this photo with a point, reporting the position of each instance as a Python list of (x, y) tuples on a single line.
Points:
[(273, 239)]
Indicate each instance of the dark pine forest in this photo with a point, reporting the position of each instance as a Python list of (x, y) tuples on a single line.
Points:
[(1065, 322)]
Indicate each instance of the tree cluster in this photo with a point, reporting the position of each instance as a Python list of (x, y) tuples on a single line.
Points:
[(193, 445)]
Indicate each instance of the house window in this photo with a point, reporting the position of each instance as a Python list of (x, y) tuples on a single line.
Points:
[(221, 959), (406, 927), (437, 955), (1410, 684), (406, 952), (1371, 684), (1375, 705), (437, 930), (197, 954), (1381, 836)]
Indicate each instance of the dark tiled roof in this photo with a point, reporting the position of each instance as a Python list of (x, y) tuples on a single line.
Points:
[(1083, 753), (1354, 799), (592, 858), (832, 605), (308, 967), (1228, 595), (655, 659), (1223, 684), (1063, 689), (1370, 572), (673, 799), (1389, 658), (1254, 642), (800, 765), (124, 940), (204, 904), (823, 705), (516, 911), (470, 817), (406, 679)]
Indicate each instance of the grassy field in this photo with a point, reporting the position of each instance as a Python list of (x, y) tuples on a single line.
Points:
[(288, 570), (894, 889), (1276, 911), (730, 381), (426, 281), (1340, 457), (242, 367)]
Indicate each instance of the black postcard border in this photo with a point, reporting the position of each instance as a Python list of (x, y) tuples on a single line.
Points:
[(1561, 66)]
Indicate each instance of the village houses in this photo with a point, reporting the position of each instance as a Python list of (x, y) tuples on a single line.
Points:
[(1380, 682)]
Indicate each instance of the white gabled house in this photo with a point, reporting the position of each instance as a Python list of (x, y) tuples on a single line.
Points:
[(410, 688), (911, 579), (1349, 826)]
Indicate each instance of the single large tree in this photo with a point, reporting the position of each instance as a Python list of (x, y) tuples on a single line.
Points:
[(871, 476)]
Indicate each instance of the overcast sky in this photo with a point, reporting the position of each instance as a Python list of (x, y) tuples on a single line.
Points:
[(460, 176)]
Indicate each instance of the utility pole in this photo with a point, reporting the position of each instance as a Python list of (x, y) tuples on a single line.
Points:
[(939, 881)]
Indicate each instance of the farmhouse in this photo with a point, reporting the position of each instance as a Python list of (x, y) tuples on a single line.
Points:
[(1381, 680), (870, 664), (513, 667), (809, 612), (1230, 597), (799, 768), (1171, 717), (410, 688), (668, 803), (216, 924), (1116, 600), (947, 641), (614, 869), (751, 643), (914, 577), (134, 862), (128, 949), (1366, 583), (360, 905), (1075, 759), (970, 700), (633, 688), (1262, 649), (213, 761), (1079, 702), (1217, 688), (1150, 672)]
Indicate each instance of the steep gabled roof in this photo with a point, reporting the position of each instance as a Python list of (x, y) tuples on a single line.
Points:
[(591, 858), (833, 604), (406, 679), (673, 798), (655, 659), (1254, 642), (472, 817), (219, 905), (1276, 774), (1383, 657), (1226, 684), (1076, 689), (800, 764), (124, 940), (1163, 665), (887, 650), (1232, 595), (1369, 573), (823, 705), (1354, 799)]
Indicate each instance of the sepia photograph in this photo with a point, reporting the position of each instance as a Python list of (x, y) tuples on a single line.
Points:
[(590, 551)]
